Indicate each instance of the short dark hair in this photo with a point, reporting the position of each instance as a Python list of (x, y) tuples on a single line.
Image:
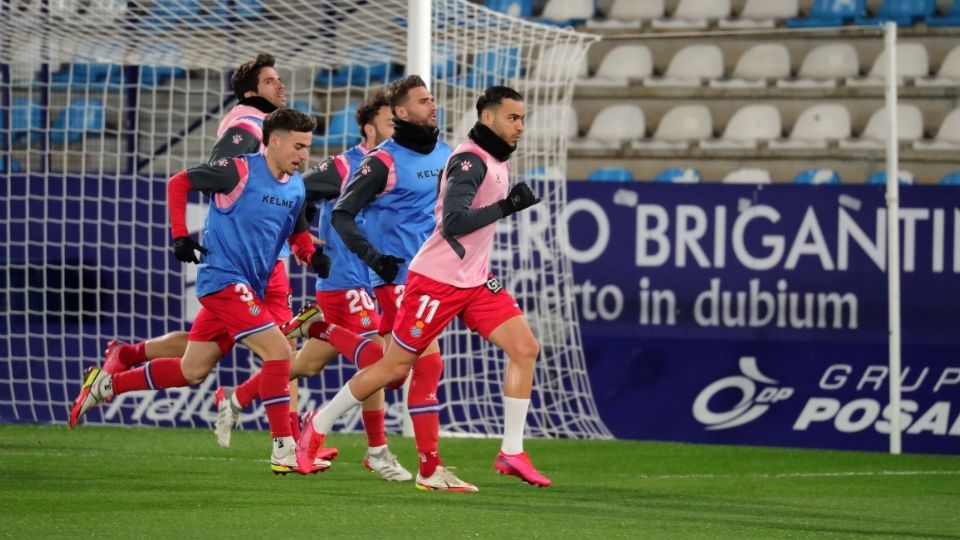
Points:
[(399, 89), (246, 77), (287, 119), (493, 97), (371, 106)]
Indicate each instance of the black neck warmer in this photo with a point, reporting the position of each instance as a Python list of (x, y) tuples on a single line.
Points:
[(417, 138), (259, 103), (491, 142)]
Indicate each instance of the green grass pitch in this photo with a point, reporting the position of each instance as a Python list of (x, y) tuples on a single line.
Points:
[(176, 483)]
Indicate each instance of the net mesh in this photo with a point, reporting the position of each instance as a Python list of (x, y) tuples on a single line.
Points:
[(102, 100)]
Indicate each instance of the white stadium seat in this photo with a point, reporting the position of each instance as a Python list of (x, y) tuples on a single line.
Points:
[(567, 10), (762, 14), (690, 66), (554, 60), (621, 65), (748, 127), (748, 175), (679, 128), (612, 127), (824, 65), (817, 126), (692, 14), (629, 14), (948, 74), (909, 128), (948, 136), (546, 121), (912, 63), (756, 65)]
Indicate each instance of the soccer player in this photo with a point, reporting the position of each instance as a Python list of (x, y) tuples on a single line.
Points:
[(450, 276), (342, 296), (257, 206), (395, 187), (259, 91)]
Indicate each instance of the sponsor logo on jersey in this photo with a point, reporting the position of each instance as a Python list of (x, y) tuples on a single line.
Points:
[(428, 174), (222, 162), (276, 201)]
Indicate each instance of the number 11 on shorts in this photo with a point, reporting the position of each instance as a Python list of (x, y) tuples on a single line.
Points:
[(426, 302)]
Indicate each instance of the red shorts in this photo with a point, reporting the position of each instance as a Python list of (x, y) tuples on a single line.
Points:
[(388, 296), (233, 313), (279, 296), (352, 309), (428, 306)]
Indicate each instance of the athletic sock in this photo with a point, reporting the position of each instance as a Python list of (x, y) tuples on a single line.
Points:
[(248, 390), (514, 420), (425, 410), (275, 393), (155, 374), (374, 424), (295, 425), (132, 354), (357, 349), (334, 409)]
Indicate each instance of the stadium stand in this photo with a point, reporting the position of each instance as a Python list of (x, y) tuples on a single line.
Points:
[(748, 128), (611, 174), (906, 178), (693, 14), (762, 14), (622, 65), (817, 176), (759, 64), (951, 179), (679, 175), (830, 13), (680, 128), (613, 127), (817, 127), (691, 66), (748, 175)]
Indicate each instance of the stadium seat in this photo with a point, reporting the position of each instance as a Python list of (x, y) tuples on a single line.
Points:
[(363, 65), (679, 128), (762, 62), (909, 128), (622, 64), (241, 9), (951, 179), (567, 12), (902, 12), (80, 116), (612, 127), (762, 14), (691, 14), (823, 65), (514, 8), (493, 67), (817, 126), (544, 122), (691, 66), (611, 174), (748, 127), (629, 14), (906, 178), (950, 17), (165, 14), (748, 175), (554, 63), (342, 128), (948, 135), (830, 13), (679, 175), (912, 63), (305, 107), (948, 74), (26, 121), (817, 176)]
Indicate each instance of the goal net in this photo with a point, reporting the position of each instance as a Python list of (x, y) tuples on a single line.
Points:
[(101, 101)]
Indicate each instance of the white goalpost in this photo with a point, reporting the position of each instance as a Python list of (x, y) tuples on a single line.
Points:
[(101, 101)]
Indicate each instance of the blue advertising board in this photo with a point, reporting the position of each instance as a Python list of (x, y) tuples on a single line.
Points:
[(758, 314)]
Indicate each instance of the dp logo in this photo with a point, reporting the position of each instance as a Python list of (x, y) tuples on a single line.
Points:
[(751, 405)]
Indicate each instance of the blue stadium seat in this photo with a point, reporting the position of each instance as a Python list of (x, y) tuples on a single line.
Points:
[(880, 178), (817, 176), (950, 17), (164, 14), (81, 116), (902, 12), (611, 174), (303, 106), (493, 67), (92, 76), (830, 13), (14, 165), (241, 9), (359, 68), (342, 128), (26, 121), (679, 175), (515, 8), (951, 179)]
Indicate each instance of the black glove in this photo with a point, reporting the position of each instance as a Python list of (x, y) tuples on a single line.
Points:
[(320, 263), (387, 267), (183, 249), (310, 211), (520, 197)]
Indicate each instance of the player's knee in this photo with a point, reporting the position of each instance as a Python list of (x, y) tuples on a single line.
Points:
[(194, 374), (525, 350)]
